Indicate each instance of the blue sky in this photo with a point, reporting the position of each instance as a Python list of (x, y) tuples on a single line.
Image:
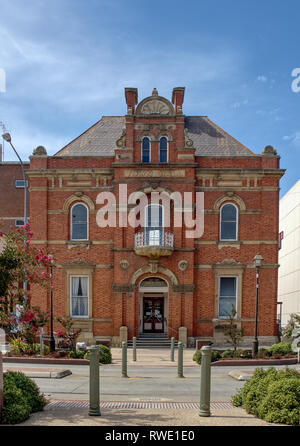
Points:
[(67, 63)]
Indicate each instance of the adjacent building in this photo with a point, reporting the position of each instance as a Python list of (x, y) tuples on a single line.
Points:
[(118, 281), (289, 254)]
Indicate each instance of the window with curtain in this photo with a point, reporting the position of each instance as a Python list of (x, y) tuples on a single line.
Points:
[(227, 295), (145, 150), (228, 230), (79, 222), (163, 150), (79, 296), (154, 225)]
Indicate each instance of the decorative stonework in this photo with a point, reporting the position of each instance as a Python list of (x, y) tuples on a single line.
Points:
[(124, 264), (233, 198), (155, 105), (40, 151), (154, 173), (122, 140), (183, 265)]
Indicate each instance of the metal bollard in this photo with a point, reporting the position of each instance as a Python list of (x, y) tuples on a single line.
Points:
[(205, 382), (134, 348), (180, 360), (172, 349), (124, 360), (94, 409)]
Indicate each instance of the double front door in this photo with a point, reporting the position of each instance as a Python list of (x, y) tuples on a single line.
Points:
[(153, 315)]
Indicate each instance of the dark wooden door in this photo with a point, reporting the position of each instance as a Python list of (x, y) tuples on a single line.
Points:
[(153, 315)]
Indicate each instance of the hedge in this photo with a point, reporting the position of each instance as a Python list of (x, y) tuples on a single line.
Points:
[(21, 397), (273, 395)]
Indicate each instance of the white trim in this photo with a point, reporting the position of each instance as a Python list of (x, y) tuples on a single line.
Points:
[(88, 296), (142, 150), (146, 220), (163, 162), (236, 224), (219, 289), (71, 224)]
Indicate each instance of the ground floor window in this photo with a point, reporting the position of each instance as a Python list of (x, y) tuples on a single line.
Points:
[(227, 295), (79, 296)]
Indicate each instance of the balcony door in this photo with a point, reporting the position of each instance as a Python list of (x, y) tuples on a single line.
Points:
[(153, 315), (154, 231)]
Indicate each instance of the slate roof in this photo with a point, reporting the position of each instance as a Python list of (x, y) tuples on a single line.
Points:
[(208, 138)]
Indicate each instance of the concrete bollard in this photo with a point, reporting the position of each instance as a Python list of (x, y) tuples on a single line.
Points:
[(180, 360), (124, 360), (172, 348), (205, 382), (94, 409), (134, 348), (42, 341)]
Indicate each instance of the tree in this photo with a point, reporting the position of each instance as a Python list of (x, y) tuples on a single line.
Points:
[(20, 263), (231, 330)]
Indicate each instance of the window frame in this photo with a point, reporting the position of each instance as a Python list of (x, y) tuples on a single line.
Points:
[(19, 219), (87, 297), (71, 223), (146, 162), (236, 293), (23, 186), (163, 162), (158, 228), (236, 223)]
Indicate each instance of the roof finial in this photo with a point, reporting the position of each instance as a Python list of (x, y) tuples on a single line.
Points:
[(154, 92)]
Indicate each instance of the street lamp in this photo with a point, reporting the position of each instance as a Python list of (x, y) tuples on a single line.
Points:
[(7, 138), (258, 261), (52, 340)]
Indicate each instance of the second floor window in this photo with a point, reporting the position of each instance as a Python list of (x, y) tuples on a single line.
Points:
[(79, 222), (154, 225), (146, 150), (228, 229), (163, 150)]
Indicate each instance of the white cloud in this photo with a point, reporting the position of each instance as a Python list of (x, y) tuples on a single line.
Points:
[(262, 78), (294, 139)]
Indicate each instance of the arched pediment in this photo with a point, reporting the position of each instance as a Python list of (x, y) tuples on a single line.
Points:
[(155, 105), (148, 269), (82, 198), (230, 198)]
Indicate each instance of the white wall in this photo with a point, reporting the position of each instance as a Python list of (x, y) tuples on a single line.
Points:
[(289, 254)]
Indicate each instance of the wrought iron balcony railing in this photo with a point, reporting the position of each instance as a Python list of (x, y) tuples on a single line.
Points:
[(154, 243)]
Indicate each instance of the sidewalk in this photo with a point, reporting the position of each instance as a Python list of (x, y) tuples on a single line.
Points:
[(153, 357), (143, 417)]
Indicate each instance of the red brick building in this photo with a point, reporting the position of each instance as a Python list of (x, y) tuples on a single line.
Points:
[(11, 195), (125, 281)]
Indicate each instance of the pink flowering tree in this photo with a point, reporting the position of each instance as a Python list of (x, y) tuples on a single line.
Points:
[(22, 263)]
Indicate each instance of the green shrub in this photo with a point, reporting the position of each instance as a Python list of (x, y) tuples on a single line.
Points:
[(282, 348), (29, 389), (15, 406), (227, 354), (282, 402), (37, 349), (241, 353), (77, 354), (263, 353), (272, 395), (104, 356), (21, 396), (215, 356)]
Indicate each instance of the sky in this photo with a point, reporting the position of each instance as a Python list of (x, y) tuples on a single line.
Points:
[(65, 63)]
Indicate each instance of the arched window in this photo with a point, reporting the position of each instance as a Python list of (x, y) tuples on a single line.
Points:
[(163, 150), (79, 222), (146, 156), (154, 224), (228, 222)]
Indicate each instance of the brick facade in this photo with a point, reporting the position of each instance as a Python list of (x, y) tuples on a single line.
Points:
[(11, 197), (201, 158)]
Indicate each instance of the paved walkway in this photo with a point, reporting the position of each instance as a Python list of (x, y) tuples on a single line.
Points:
[(143, 417)]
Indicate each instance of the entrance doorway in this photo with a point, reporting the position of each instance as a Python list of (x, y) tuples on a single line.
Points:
[(153, 315), (153, 306)]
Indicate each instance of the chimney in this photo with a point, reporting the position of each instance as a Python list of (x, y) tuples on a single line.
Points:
[(131, 96), (177, 99)]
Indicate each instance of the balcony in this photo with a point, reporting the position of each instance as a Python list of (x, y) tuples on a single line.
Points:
[(154, 243)]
